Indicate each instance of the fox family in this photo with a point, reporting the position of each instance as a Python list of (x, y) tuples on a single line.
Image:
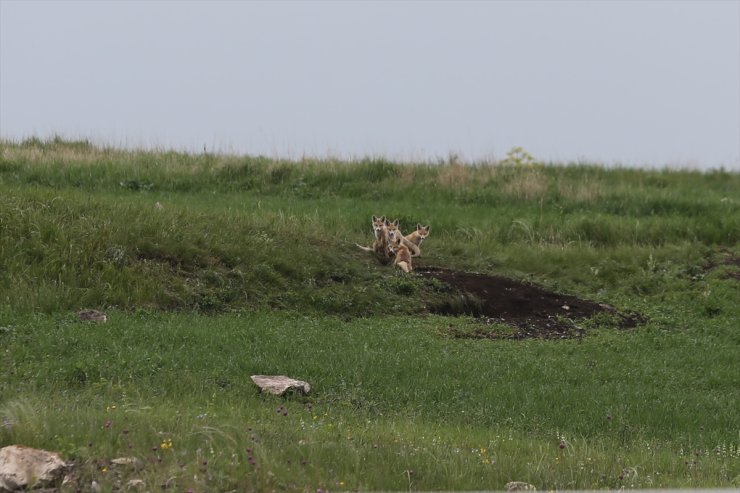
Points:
[(391, 243)]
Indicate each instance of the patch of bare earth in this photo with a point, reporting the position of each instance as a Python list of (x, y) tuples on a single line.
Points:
[(530, 310), (728, 259)]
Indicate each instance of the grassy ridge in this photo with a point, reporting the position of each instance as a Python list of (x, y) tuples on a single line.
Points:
[(229, 226), (249, 266)]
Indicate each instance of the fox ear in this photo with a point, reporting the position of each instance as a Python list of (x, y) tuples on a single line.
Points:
[(395, 222), (418, 226), (428, 228), (374, 218)]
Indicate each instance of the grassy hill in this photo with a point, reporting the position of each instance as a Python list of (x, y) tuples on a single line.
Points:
[(212, 268), (83, 226)]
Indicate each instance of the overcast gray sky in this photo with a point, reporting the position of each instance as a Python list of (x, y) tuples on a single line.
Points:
[(632, 82)]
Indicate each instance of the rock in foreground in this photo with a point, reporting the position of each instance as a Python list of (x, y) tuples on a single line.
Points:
[(24, 467), (280, 384), (519, 486), (93, 316)]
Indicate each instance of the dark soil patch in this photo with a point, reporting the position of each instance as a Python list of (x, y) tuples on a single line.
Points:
[(532, 311), (725, 258)]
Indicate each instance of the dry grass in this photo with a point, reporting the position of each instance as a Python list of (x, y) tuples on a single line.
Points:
[(586, 191), (407, 175), (528, 185), (455, 175), (61, 155)]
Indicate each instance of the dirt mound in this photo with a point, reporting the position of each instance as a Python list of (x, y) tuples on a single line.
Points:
[(530, 310)]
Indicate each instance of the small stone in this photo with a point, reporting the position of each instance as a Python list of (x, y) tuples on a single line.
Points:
[(519, 486), (566, 307), (280, 384), (132, 462), (135, 484), (93, 316)]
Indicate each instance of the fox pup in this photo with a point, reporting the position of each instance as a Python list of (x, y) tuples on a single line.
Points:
[(417, 237), (381, 244), (403, 255), (378, 226), (394, 232)]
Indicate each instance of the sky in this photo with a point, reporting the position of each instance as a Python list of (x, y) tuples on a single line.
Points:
[(631, 83)]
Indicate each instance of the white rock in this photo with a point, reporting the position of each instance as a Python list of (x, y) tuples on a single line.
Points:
[(135, 483), (133, 462), (280, 384), (93, 316), (519, 486), (24, 467)]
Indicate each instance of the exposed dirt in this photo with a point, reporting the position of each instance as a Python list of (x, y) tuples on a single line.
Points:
[(531, 311), (725, 258)]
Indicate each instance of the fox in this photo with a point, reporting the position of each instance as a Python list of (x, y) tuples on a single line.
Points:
[(402, 254), (381, 244), (417, 237), (379, 226), (395, 232)]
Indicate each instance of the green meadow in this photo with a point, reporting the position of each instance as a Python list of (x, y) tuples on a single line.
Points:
[(212, 268)]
